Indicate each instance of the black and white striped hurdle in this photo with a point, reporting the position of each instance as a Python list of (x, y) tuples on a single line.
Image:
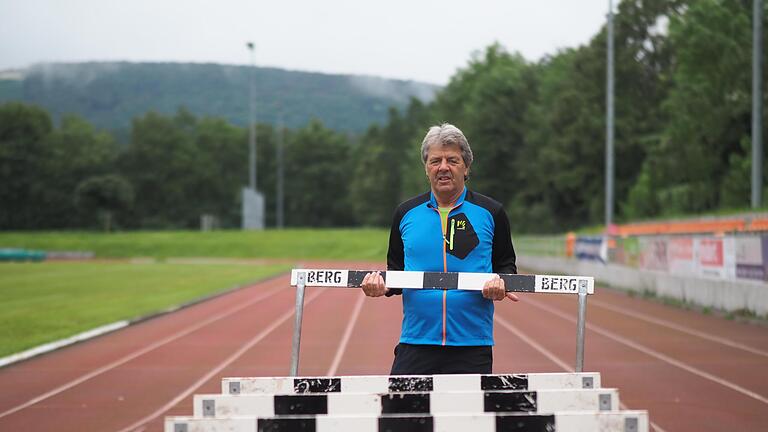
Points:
[(445, 280), (433, 403), (445, 403), (409, 383), (619, 421), (548, 284)]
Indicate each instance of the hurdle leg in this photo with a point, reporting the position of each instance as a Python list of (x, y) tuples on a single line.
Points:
[(580, 329), (300, 278)]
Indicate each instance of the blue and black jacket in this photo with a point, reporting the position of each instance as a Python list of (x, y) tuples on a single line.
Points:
[(476, 239)]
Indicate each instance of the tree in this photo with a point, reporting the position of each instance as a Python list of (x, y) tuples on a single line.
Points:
[(220, 165), (317, 178), (159, 163), (23, 130), (387, 165), (106, 196), (488, 101), (703, 156), (76, 151)]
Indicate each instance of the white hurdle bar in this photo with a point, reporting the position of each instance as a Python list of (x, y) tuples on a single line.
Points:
[(619, 421), (333, 278), (434, 403), (405, 383)]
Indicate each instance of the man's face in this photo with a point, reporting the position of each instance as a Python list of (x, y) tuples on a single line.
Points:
[(445, 169)]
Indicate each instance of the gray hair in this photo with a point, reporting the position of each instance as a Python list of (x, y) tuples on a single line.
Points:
[(446, 134)]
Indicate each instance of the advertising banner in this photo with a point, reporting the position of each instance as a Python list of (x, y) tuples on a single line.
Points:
[(749, 257), (711, 256), (591, 248), (653, 253), (680, 254), (764, 238), (729, 257)]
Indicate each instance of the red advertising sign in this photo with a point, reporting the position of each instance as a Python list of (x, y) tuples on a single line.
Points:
[(711, 252)]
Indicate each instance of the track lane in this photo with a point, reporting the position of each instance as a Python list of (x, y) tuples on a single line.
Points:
[(706, 357), (754, 337), (679, 327), (334, 367), (372, 341)]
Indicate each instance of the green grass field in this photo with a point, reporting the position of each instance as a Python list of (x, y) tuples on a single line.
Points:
[(359, 244), (43, 302)]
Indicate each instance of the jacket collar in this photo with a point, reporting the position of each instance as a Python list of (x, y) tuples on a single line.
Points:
[(460, 201)]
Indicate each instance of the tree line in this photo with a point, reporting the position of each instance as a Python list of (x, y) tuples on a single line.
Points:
[(682, 123), (683, 107), (173, 169)]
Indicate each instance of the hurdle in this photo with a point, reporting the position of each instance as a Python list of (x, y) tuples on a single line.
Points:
[(549, 284), (409, 383), (533, 402), (564, 402), (620, 421), (433, 403)]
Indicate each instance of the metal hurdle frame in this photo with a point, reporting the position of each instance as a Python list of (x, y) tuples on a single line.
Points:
[(299, 314), (300, 286)]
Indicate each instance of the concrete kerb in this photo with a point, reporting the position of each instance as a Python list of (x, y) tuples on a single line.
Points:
[(112, 327), (723, 294)]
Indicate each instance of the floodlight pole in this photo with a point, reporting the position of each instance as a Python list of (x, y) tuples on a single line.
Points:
[(609, 122), (757, 103), (251, 123), (280, 185)]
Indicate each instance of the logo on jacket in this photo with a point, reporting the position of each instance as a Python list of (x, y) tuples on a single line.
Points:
[(460, 238)]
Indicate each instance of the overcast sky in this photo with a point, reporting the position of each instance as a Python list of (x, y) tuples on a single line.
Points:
[(418, 40)]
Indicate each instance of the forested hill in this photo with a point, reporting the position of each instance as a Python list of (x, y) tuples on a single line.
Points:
[(109, 95)]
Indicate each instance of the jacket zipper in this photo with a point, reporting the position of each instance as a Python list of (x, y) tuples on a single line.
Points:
[(444, 232)]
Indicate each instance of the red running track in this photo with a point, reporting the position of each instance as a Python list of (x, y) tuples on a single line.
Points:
[(692, 372)]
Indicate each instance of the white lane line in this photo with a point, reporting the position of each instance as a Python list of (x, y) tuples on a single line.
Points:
[(139, 353), (548, 354), (347, 334), (669, 324), (557, 360), (656, 354), (205, 378)]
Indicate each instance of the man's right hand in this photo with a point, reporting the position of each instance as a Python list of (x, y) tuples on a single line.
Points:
[(373, 285)]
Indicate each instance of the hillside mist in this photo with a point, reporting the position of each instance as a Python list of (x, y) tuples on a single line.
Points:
[(110, 95)]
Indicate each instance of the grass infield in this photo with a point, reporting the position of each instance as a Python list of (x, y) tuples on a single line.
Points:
[(44, 302), (356, 244)]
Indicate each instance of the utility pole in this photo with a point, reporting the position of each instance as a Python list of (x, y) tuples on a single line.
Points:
[(280, 185), (252, 200), (609, 122), (251, 123), (757, 104)]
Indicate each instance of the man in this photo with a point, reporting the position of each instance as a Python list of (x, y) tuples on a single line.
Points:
[(447, 229)]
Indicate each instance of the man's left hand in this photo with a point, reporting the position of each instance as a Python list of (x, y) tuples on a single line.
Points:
[(494, 290)]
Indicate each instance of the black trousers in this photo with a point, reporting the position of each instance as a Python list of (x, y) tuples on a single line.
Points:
[(437, 359)]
